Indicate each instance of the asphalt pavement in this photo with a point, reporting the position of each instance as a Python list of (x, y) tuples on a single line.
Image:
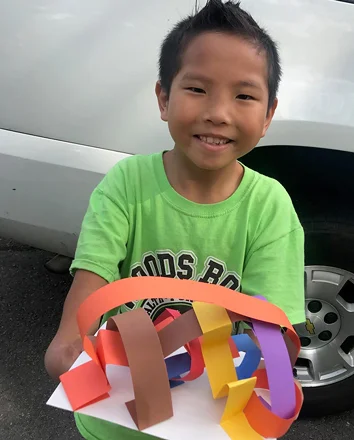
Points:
[(31, 300)]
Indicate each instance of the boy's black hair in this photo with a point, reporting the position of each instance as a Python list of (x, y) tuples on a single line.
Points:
[(217, 16)]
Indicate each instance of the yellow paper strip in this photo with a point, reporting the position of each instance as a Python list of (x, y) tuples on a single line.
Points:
[(239, 394), (216, 326), (233, 420), (238, 428)]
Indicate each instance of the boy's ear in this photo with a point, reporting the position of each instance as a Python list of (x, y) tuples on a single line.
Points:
[(269, 117), (162, 100)]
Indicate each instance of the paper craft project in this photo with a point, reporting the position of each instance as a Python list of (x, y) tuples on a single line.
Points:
[(178, 355)]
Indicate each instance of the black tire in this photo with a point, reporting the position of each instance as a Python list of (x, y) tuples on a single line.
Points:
[(329, 243)]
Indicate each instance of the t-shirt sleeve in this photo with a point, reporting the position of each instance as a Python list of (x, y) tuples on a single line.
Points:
[(275, 263), (104, 232)]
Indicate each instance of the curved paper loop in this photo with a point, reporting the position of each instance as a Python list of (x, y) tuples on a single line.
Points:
[(180, 332), (197, 361), (85, 384), (110, 348), (138, 288), (167, 313), (153, 403), (252, 356), (234, 421), (193, 347), (261, 418), (280, 375), (216, 326), (131, 289)]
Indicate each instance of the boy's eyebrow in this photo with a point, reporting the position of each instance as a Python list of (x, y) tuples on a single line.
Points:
[(196, 77), (250, 83), (203, 78)]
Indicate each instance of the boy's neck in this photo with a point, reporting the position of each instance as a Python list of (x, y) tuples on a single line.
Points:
[(201, 186)]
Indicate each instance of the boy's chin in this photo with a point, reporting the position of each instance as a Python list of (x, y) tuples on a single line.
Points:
[(206, 161), (213, 164)]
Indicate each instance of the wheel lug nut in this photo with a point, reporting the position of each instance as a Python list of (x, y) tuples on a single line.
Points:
[(325, 335), (305, 342), (314, 306), (331, 318)]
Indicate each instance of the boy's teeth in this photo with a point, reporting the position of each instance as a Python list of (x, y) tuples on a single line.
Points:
[(211, 140)]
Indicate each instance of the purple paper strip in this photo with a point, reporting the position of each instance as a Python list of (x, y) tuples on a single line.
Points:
[(278, 367)]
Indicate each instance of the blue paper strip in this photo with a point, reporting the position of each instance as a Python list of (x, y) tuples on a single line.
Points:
[(176, 383), (252, 356), (177, 365)]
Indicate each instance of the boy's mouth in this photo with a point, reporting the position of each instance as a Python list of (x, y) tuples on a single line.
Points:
[(213, 140)]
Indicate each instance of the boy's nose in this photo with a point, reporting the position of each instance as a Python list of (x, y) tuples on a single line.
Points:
[(218, 112)]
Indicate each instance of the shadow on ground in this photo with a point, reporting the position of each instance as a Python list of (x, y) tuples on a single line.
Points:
[(31, 301)]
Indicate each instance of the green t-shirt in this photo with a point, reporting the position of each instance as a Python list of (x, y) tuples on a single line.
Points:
[(138, 225)]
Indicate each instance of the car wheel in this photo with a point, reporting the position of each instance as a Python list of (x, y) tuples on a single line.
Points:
[(326, 362)]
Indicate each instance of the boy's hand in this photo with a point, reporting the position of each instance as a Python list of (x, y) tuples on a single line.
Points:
[(59, 358), (66, 345)]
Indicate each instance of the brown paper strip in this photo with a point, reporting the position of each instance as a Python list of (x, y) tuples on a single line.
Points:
[(178, 333), (153, 403)]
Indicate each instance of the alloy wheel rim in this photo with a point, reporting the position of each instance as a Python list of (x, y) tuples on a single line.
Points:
[(327, 336)]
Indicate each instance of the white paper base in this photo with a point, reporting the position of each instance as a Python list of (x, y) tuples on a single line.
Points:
[(196, 413)]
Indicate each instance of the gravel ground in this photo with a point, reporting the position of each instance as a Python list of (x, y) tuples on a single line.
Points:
[(31, 300)]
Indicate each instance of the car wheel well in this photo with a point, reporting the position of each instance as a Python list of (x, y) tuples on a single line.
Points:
[(318, 180)]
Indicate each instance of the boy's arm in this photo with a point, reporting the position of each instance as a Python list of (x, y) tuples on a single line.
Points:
[(66, 345), (101, 247)]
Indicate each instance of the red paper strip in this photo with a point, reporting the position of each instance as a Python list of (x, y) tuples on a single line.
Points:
[(197, 361), (234, 351)]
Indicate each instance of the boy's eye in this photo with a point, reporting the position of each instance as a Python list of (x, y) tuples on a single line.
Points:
[(245, 97), (195, 90)]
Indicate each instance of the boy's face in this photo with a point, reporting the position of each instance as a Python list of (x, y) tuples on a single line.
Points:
[(219, 95)]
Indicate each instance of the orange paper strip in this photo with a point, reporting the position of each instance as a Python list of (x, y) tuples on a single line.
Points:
[(261, 418), (85, 384), (110, 348), (138, 288)]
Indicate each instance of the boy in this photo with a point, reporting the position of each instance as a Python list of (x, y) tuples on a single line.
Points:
[(194, 212)]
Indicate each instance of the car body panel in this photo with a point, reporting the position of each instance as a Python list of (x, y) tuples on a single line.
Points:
[(45, 189), (77, 95), (84, 71)]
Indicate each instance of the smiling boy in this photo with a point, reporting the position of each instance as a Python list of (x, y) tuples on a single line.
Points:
[(194, 212)]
